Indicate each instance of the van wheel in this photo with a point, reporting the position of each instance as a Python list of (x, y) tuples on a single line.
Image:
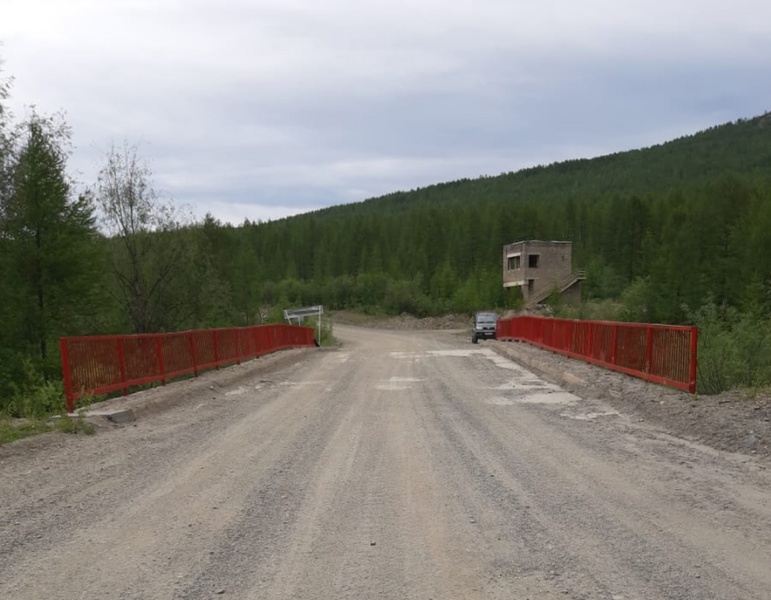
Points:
[(473, 338)]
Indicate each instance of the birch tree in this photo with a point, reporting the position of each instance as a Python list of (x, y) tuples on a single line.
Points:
[(147, 258)]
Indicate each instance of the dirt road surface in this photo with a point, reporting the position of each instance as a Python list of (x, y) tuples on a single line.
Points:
[(403, 465)]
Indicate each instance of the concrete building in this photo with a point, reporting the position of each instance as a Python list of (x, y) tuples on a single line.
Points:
[(539, 268)]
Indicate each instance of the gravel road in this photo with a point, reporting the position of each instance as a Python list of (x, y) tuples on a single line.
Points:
[(403, 465)]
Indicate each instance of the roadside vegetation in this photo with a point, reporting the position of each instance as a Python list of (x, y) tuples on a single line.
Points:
[(17, 429), (734, 344), (325, 335), (677, 233)]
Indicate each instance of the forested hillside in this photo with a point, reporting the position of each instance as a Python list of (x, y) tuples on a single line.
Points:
[(741, 147), (678, 233), (685, 222)]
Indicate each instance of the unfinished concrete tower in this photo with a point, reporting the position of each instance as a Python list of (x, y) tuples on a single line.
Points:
[(539, 268)]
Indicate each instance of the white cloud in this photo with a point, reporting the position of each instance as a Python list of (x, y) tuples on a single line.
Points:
[(237, 212), (285, 105)]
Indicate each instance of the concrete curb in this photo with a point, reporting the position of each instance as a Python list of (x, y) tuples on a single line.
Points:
[(119, 416), (574, 375), (128, 409), (570, 381)]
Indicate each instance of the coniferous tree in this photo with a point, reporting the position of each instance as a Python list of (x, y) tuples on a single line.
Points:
[(52, 267)]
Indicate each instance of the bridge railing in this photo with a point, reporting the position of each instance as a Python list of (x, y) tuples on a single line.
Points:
[(664, 354), (104, 364)]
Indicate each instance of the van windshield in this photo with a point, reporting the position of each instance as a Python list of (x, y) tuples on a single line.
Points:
[(487, 319)]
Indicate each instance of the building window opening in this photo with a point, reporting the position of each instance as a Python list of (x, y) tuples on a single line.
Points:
[(532, 261), (514, 263)]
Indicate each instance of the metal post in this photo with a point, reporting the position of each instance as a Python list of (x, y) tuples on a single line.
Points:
[(191, 342), (66, 375), (694, 349), (614, 345), (159, 356), (648, 349), (122, 365)]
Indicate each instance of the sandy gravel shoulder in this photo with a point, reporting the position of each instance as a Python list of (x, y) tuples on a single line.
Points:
[(734, 421)]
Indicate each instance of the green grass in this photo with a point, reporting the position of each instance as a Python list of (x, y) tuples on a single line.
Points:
[(12, 430), (16, 429), (73, 425), (327, 334)]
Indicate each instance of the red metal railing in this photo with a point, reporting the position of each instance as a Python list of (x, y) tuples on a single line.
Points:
[(103, 364), (663, 354)]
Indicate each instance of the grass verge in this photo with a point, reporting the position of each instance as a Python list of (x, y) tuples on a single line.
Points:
[(16, 429)]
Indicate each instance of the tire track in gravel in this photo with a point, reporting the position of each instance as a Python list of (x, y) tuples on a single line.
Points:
[(65, 483), (596, 522), (357, 535), (161, 519), (254, 544)]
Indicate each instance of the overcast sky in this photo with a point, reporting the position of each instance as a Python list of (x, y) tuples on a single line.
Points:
[(265, 108)]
